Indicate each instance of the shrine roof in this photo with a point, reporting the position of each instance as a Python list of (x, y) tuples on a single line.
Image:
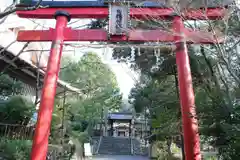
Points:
[(120, 116)]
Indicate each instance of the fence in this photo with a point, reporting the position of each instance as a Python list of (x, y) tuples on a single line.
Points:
[(21, 132), (15, 131)]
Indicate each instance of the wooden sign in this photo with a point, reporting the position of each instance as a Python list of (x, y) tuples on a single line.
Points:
[(118, 19)]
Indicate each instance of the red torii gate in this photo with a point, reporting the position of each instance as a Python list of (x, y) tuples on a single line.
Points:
[(62, 33)]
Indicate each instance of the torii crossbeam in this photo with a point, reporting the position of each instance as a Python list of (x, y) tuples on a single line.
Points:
[(179, 35), (92, 35)]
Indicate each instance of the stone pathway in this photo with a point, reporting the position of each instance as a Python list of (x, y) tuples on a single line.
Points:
[(115, 157)]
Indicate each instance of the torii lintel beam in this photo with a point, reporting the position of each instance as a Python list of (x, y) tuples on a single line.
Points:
[(139, 13), (133, 35)]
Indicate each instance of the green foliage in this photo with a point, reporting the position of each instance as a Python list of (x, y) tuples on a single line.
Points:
[(159, 97), (211, 158), (95, 80), (9, 86), (15, 149), (218, 118), (88, 74), (161, 150), (16, 110)]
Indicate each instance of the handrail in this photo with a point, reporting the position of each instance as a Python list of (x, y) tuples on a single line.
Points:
[(99, 143), (132, 150)]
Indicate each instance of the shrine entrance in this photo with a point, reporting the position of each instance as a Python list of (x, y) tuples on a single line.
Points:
[(120, 30), (119, 125)]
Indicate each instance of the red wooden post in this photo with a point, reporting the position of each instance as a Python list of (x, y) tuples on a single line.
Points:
[(190, 124), (40, 141)]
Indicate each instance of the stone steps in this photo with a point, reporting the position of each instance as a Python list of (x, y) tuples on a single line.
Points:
[(115, 146)]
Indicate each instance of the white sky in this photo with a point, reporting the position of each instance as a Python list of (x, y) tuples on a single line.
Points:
[(123, 73)]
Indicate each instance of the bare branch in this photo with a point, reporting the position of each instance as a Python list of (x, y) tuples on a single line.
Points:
[(233, 46), (38, 88), (15, 8), (9, 7)]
